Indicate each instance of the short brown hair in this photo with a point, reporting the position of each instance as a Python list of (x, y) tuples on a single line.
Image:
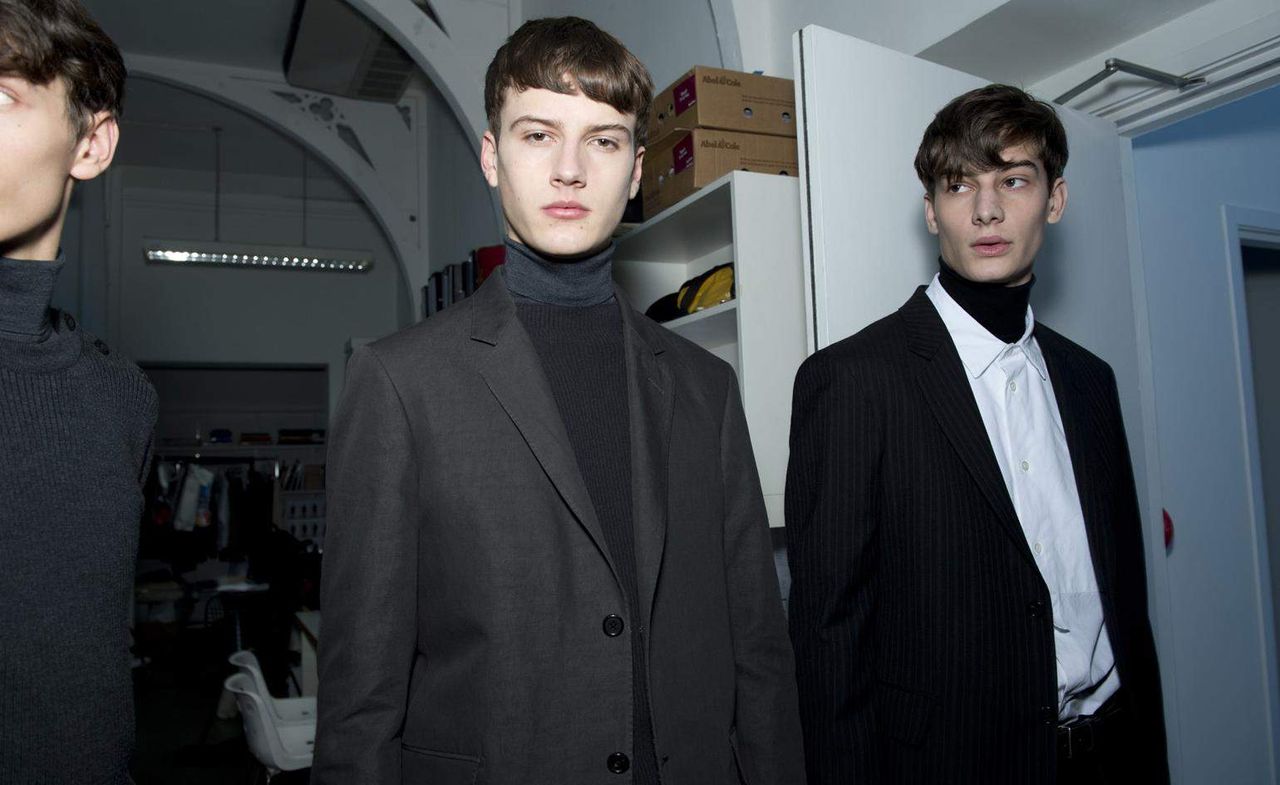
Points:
[(970, 132), (569, 55), (42, 40)]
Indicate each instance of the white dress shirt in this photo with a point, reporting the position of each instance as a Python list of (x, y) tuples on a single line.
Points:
[(1015, 397)]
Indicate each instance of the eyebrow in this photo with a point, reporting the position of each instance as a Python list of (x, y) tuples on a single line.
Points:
[(528, 118), (559, 126), (1015, 164)]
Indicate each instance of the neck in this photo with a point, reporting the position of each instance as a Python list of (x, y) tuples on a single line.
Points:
[(999, 308), (26, 290), (579, 282)]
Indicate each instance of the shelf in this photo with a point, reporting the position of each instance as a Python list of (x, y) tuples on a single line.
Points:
[(691, 228), (236, 450), (714, 326)]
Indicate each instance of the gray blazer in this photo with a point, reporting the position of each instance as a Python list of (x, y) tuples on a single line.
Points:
[(466, 577)]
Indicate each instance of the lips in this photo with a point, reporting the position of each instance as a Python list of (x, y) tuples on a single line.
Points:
[(990, 246), (568, 211)]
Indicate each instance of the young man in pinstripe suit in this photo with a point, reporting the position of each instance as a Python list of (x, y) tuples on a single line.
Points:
[(969, 600)]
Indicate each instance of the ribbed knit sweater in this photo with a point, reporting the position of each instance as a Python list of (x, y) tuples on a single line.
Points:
[(572, 317), (75, 431)]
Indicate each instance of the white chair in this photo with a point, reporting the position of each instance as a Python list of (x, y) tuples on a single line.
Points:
[(277, 747), (287, 711)]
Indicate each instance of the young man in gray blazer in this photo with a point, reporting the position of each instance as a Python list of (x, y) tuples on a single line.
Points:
[(547, 558)]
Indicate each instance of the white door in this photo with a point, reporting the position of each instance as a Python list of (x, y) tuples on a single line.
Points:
[(862, 112)]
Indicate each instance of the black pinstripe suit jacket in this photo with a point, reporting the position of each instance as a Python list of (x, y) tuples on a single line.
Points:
[(924, 649)]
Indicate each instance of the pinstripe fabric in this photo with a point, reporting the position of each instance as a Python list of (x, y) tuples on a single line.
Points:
[(924, 649)]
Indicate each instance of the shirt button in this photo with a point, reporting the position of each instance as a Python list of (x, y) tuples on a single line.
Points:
[(1013, 386), (618, 763), (1026, 466), (613, 625), (1037, 547)]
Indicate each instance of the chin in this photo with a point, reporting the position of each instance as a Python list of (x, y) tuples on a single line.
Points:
[(982, 271)]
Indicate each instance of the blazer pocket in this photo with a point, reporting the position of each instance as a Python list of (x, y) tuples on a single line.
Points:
[(903, 714), (433, 767)]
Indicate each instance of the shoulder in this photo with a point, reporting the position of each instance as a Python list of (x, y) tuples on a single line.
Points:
[(690, 360), (105, 360), (1080, 359), (872, 349), (117, 379), (433, 337)]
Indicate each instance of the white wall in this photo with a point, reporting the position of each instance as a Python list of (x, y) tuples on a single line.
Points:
[(669, 36), (460, 210), (765, 26), (168, 314), (1185, 174), (1192, 41)]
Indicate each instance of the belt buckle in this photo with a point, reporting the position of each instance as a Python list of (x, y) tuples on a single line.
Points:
[(1077, 739)]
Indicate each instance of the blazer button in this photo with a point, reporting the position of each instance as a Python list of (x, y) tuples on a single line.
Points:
[(613, 626), (1048, 715), (618, 763), (1036, 609)]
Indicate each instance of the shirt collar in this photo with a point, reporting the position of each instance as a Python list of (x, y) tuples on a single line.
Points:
[(977, 347)]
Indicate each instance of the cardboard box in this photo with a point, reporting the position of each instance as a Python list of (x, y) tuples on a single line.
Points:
[(684, 162), (730, 100)]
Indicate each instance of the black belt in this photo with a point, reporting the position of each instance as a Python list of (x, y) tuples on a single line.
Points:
[(1083, 736)]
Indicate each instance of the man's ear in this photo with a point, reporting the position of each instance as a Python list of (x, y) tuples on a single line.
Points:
[(489, 158), (636, 171), (1057, 200), (96, 149), (930, 220)]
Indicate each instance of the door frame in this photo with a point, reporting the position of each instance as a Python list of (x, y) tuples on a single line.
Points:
[(1243, 225)]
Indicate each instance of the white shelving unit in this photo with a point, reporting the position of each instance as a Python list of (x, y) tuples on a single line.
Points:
[(752, 220)]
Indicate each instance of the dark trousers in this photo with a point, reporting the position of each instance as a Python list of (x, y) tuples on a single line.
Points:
[(1103, 756)]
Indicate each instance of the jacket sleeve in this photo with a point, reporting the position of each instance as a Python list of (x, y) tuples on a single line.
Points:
[(831, 542), (368, 585), (1141, 674), (766, 737)]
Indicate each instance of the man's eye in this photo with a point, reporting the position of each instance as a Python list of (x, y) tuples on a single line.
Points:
[(606, 142), (1015, 182), (5, 98), (537, 136), (956, 188)]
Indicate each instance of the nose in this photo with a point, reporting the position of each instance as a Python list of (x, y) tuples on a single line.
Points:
[(568, 168), (987, 207)]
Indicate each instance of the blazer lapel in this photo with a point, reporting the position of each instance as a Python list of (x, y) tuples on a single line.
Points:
[(1082, 420), (651, 397), (946, 389), (513, 373)]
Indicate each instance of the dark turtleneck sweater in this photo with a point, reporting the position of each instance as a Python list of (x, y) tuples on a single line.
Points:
[(999, 308), (570, 312), (75, 433)]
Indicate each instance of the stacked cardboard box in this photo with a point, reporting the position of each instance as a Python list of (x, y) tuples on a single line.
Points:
[(712, 121)]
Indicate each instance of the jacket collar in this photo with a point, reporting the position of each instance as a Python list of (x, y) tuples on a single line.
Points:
[(943, 383), (513, 373)]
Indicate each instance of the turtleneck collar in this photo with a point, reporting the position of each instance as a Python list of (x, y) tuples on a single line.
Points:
[(26, 290), (1001, 309), (578, 283)]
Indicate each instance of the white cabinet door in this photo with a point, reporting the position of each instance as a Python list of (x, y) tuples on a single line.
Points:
[(862, 112)]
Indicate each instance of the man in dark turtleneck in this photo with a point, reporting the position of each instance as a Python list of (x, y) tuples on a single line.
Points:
[(75, 421), (547, 558), (968, 601)]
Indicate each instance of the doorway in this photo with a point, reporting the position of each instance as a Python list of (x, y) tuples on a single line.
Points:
[(1260, 264)]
